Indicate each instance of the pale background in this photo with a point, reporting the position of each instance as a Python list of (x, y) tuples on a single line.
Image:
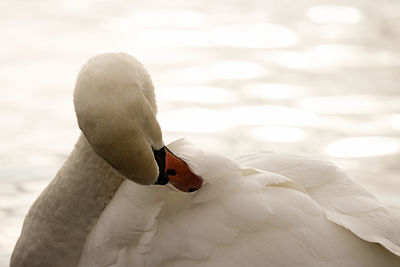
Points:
[(319, 77)]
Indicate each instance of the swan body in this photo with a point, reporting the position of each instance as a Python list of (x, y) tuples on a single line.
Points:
[(291, 210), (262, 209)]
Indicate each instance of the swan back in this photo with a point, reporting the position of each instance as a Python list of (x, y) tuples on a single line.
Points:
[(343, 201)]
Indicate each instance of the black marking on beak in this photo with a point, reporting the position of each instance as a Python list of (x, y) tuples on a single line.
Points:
[(171, 172), (159, 156)]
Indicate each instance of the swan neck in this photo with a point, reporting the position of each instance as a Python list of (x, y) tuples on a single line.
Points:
[(60, 220)]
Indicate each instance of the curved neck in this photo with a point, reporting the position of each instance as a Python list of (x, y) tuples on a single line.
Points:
[(54, 230)]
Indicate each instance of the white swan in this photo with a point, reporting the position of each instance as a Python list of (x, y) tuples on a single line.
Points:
[(263, 209)]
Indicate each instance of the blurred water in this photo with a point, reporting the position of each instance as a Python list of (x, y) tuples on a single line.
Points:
[(313, 76)]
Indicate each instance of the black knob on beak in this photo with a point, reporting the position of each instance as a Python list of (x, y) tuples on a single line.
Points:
[(159, 156)]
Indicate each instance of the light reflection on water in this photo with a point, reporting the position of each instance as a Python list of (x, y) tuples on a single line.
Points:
[(351, 104), (367, 146), (237, 70), (255, 36), (168, 37), (323, 57), (195, 120), (236, 76), (395, 120), (334, 14), (273, 115), (196, 94), (164, 18), (278, 134), (275, 91)]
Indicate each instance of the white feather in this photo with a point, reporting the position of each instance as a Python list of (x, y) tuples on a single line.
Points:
[(342, 200), (274, 209)]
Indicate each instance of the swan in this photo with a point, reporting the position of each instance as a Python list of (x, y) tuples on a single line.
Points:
[(109, 204)]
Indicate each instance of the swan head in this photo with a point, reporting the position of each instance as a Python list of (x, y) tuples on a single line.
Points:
[(116, 109)]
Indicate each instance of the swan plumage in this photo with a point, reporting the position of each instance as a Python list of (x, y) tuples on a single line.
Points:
[(261, 209)]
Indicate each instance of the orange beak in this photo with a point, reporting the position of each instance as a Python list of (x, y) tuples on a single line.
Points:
[(179, 174), (174, 170)]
